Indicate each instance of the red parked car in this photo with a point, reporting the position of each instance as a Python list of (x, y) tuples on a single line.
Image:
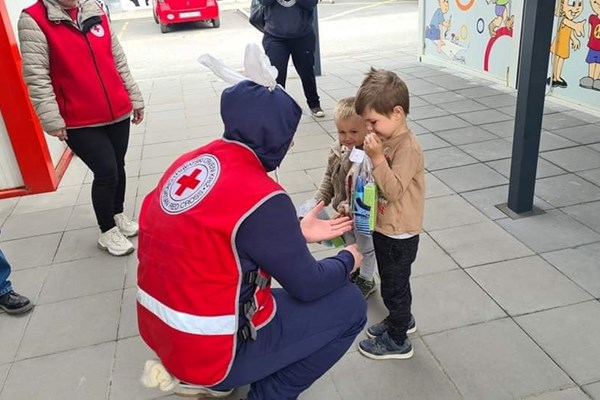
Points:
[(169, 12)]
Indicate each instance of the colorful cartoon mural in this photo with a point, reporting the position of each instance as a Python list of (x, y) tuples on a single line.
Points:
[(477, 34), (566, 38), (592, 80)]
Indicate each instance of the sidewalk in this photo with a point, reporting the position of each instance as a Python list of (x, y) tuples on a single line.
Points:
[(506, 309)]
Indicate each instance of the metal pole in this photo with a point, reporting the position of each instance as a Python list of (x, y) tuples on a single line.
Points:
[(317, 42), (538, 16)]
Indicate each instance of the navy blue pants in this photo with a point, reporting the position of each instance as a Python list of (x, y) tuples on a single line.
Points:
[(299, 345), (5, 285), (302, 51)]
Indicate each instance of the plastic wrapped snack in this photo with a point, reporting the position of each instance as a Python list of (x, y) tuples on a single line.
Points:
[(364, 196)]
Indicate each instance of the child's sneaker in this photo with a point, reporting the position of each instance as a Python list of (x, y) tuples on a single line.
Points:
[(379, 328), (366, 287), (127, 227), (385, 348), (199, 392), (354, 275), (115, 243)]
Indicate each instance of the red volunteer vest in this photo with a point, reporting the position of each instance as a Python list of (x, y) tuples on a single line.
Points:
[(189, 274), (88, 87)]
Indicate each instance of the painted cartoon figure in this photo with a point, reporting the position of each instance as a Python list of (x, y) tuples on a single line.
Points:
[(566, 38), (437, 28), (502, 10), (592, 81)]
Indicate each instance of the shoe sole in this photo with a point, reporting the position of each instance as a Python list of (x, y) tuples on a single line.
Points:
[(128, 251), (207, 394), (409, 331), (371, 292), (18, 311), (388, 356)]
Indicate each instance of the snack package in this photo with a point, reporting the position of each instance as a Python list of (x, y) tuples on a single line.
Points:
[(308, 205), (363, 194)]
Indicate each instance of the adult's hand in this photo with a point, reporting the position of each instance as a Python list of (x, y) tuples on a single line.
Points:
[(358, 257), (316, 230), (61, 134), (138, 116)]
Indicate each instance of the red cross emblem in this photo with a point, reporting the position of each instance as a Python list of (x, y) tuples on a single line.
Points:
[(188, 182)]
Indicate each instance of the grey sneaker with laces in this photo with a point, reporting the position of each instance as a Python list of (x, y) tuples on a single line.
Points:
[(379, 328), (115, 242), (367, 287), (385, 348)]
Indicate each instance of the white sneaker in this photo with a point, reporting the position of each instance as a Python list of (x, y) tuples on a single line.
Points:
[(189, 390), (127, 227), (115, 243)]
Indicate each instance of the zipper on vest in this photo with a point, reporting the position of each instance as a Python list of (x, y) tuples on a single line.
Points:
[(99, 76)]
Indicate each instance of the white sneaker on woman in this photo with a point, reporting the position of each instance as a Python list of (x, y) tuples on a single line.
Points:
[(115, 242), (127, 227)]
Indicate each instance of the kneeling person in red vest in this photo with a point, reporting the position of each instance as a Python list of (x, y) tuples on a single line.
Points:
[(212, 234)]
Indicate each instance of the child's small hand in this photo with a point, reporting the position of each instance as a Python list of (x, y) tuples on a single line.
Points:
[(374, 148), (343, 210)]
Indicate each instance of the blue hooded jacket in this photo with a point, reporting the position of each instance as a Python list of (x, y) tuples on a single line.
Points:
[(271, 237), (289, 19)]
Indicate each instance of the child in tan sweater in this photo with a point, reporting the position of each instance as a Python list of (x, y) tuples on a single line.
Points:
[(398, 168)]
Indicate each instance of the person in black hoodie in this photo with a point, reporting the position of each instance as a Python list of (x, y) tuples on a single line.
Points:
[(289, 32)]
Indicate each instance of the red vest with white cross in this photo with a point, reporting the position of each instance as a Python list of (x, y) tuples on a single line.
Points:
[(189, 273)]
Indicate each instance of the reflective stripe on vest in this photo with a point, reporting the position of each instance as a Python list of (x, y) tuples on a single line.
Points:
[(188, 323)]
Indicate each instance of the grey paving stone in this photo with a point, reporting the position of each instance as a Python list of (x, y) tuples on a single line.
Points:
[(417, 129), (435, 188), (75, 173), (451, 293), (83, 278), (164, 149), (478, 92), (593, 390), (128, 321), (425, 112), (580, 264), (545, 168), (479, 244), (502, 129), (131, 272), (595, 147), (65, 197), (488, 151), (570, 336), (486, 200), (156, 165), (452, 82), (566, 190), (550, 141), (416, 101), (446, 158), (560, 120), (357, 377), (588, 214), (316, 175), (469, 134), (71, 324), (470, 177), (441, 99), (83, 216), (6, 207), (296, 181), (581, 134), (19, 255), (129, 361), (501, 100), (591, 118), (429, 141), (450, 211), (421, 87), (28, 282), (431, 259), (551, 231), (592, 175), (527, 285), (484, 117), (312, 143), (495, 360), (3, 373), (80, 244), (574, 159), (309, 129), (19, 226), (508, 110), (78, 374), (462, 106), (443, 123), (572, 393), (11, 337)]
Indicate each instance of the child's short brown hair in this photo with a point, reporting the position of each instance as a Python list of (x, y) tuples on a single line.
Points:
[(381, 91), (344, 109)]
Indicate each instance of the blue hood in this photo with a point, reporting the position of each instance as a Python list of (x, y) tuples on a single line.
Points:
[(264, 120)]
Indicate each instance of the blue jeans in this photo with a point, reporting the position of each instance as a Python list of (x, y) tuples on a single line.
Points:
[(299, 345), (5, 285)]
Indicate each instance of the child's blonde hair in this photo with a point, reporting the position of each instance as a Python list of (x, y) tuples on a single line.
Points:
[(344, 109), (381, 91)]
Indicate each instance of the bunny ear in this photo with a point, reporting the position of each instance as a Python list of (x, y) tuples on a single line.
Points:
[(258, 67), (221, 70)]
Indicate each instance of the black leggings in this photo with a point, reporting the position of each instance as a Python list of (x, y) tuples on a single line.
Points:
[(103, 150)]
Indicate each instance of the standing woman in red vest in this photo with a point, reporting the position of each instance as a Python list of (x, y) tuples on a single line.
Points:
[(83, 93)]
